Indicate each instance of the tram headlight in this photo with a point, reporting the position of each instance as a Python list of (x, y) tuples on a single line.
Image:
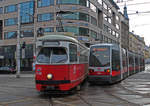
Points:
[(107, 70), (49, 76)]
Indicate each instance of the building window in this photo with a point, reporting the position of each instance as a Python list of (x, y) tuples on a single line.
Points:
[(117, 35), (75, 16), (79, 2), (105, 28), (93, 21), (109, 20), (10, 35), (27, 33), (84, 17), (100, 1), (29, 51), (113, 33), (49, 29), (45, 17), (117, 26), (83, 31), (117, 18), (1, 29), (44, 3), (75, 30), (105, 6), (72, 29), (1, 10), (10, 21), (105, 17), (9, 53), (10, 8), (27, 12), (109, 30), (93, 34), (93, 7), (109, 10)]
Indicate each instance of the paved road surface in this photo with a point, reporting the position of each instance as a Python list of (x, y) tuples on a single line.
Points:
[(133, 91)]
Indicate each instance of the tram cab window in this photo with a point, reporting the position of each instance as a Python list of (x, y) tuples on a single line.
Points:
[(99, 57), (44, 55), (73, 53), (52, 55), (115, 60), (58, 55)]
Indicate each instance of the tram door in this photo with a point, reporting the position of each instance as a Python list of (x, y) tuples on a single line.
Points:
[(116, 68)]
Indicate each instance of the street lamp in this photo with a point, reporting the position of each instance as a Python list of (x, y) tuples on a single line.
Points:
[(18, 41)]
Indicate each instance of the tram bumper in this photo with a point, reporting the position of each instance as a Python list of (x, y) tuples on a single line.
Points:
[(52, 82), (46, 85), (105, 79)]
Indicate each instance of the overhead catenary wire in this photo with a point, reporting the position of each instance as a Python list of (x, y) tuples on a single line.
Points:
[(142, 3), (139, 13)]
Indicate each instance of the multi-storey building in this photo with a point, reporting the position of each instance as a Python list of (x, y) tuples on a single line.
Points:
[(124, 29), (147, 52), (136, 43), (97, 20)]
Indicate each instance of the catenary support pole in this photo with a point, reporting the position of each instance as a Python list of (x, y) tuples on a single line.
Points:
[(18, 44)]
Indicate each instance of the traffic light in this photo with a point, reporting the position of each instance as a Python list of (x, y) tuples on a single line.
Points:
[(23, 45)]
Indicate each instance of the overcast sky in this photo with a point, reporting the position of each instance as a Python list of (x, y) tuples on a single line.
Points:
[(139, 23)]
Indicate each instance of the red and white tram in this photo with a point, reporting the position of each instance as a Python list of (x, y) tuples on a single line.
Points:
[(61, 63), (108, 65)]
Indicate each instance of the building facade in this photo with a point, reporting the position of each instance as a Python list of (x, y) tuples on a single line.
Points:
[(124, 29), (97, 20), (147, 53), (136, 43)]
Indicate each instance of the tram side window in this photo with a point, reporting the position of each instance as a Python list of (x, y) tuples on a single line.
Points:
[(131, 61), (115, 60), (73, 53), (83, 55)]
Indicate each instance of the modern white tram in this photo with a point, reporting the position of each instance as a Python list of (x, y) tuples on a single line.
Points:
[(108, 63)]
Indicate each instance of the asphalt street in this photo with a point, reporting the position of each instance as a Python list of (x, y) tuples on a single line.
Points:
[(133, 91)]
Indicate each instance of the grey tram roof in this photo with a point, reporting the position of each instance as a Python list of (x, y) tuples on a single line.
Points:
[(58, 38), (104, 44)]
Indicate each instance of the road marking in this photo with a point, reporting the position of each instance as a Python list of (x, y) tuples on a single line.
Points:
[(56, 101)]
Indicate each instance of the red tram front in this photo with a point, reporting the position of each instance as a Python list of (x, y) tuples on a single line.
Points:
[(61, 63)]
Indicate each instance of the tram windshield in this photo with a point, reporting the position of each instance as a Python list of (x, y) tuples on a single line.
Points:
[(99, 57), (52, 55)]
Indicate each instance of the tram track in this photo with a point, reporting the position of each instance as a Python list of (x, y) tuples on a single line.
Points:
[(108, 92), (84, 100)]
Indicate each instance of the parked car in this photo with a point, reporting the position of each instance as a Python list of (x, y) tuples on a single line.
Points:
[(7, 69)]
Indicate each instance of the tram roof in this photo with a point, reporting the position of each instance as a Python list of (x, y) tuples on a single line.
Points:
[(58, 38), (104, 44)]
